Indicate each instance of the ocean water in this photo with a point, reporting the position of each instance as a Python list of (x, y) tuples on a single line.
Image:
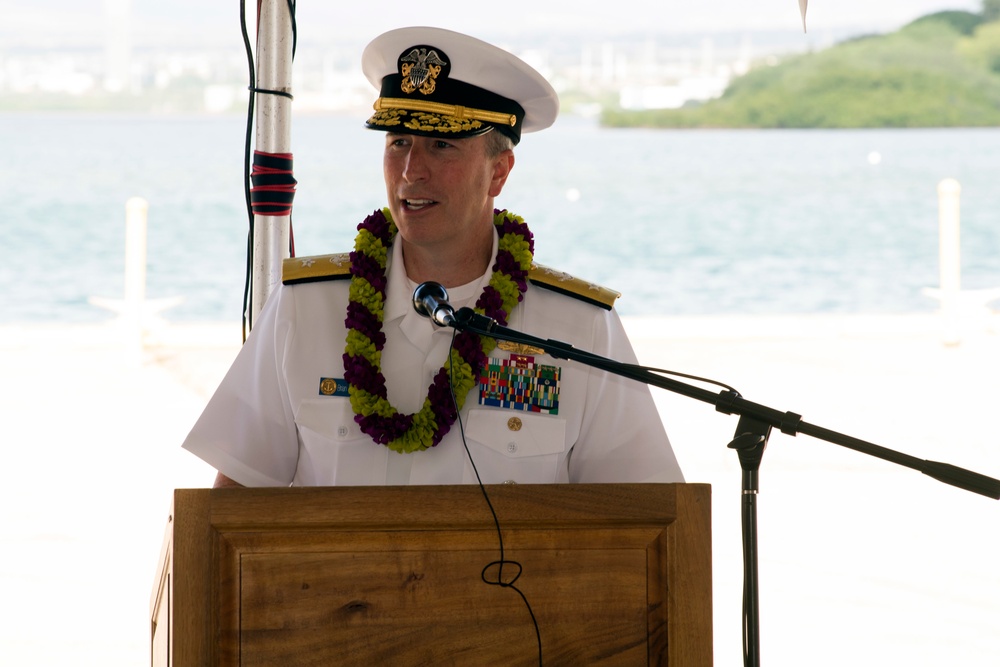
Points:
[(680, 222)]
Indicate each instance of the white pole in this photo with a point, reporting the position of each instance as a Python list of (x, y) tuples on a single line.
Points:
[(136, 214), (133, 307), (949, 229), (135, 312), (949, 255), (274, 72)]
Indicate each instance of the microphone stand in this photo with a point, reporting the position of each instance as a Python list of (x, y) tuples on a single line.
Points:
[(752, 432)]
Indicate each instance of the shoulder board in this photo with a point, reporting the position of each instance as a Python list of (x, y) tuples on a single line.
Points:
[(295, 270), (564, 283)]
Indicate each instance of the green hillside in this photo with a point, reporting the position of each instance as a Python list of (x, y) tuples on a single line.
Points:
[(942, 70)]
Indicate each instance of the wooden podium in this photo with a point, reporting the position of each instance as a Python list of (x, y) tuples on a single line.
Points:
[(615, 574)]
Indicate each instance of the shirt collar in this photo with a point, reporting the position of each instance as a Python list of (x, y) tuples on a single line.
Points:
[(399, 288)]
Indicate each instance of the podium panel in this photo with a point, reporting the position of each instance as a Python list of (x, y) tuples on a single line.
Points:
[(611, 574)]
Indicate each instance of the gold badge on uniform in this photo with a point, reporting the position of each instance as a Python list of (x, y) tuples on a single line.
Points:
[(519, 348)]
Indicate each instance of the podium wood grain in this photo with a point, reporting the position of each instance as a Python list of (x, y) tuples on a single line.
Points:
[(615, 574)]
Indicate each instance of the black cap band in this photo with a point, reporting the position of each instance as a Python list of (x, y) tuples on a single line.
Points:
[(421, 99)]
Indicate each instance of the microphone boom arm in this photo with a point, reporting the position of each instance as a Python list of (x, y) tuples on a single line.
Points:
[(731, 403)]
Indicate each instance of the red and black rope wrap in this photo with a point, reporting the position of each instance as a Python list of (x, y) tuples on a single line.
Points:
[(273, 184)]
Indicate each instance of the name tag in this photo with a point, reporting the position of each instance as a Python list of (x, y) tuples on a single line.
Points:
[(334, 387)]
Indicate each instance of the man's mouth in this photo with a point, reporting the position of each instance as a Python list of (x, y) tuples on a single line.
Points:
[(417, 204)]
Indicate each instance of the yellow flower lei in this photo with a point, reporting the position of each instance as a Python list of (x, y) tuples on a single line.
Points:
[(468, 355)]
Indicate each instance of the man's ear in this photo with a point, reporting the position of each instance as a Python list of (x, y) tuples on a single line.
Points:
[(502, 165)]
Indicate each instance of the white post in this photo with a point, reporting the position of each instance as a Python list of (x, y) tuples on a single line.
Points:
[(133, 309), (136, 314), (949, 256), (136, 214), (949, 228), (274, 72)]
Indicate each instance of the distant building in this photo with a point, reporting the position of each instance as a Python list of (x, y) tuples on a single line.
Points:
[(698, 88), (117, 45)]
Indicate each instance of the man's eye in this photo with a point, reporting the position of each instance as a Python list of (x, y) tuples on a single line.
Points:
[(441, 144)]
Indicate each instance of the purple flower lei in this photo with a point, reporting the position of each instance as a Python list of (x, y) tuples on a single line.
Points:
[(365, 339)]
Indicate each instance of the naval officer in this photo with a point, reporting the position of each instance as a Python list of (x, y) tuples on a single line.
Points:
[(341, 382)]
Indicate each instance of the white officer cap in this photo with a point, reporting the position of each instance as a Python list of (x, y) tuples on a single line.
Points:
[(440, 83)]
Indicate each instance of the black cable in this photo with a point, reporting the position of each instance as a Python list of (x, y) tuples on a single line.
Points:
[(696, 378), (496, 521), (268, 91), (295, 27), (248, 144)]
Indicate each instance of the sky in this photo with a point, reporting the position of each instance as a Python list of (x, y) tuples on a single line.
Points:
[(50, 23)]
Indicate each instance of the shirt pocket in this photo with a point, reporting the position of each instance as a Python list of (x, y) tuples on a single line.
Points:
[(518, 447), (329, 419), (332, 448)]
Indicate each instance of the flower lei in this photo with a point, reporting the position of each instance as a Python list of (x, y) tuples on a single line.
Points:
[(468, 355)]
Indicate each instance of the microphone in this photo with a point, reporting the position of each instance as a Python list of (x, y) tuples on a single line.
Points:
[(430, 299)]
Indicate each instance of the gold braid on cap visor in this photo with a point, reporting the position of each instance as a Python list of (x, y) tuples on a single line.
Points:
[(453, 110)]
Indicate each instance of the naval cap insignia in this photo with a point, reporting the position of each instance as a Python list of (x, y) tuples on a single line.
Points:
[(420, 68)]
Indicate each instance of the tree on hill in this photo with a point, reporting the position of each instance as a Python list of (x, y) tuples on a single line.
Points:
[(940, 70), (983, 48), (991, 10), (958, 20)]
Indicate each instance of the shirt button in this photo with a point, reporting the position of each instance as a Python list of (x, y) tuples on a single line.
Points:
[(510, 481), (342, 431), (511, 447)]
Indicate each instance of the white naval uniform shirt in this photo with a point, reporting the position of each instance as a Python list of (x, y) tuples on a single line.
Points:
[(268, 424)]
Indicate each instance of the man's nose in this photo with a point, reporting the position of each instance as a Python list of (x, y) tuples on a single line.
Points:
[(415, 164)]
